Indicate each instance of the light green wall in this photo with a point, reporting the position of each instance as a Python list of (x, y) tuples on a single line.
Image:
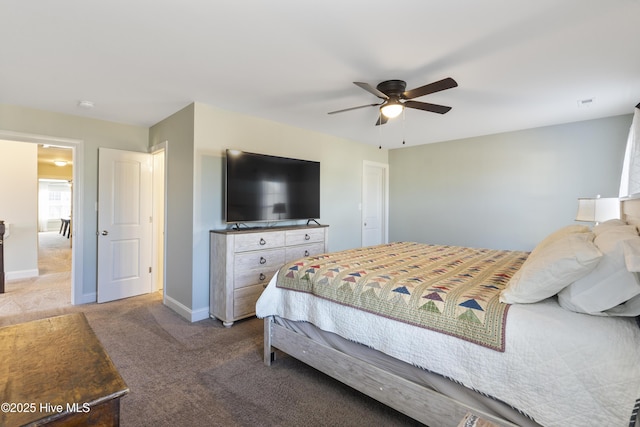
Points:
[(177, 131), (504, 191), (19, 208), (340, 174), (93, 134)]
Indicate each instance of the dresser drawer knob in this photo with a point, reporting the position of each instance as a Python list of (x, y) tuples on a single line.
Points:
[(262, 242), (306, 253), (307, 237), (262, 277), (262, 260)]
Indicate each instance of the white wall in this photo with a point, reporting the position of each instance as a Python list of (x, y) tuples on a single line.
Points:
[(19, 206), (504, 191)]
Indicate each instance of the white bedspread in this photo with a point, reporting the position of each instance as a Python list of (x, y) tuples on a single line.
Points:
[(561, 368)]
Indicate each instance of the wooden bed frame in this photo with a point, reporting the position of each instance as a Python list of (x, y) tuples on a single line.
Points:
[(412, 399)]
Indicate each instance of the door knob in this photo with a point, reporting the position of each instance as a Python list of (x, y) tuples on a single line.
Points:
[(104, 232)]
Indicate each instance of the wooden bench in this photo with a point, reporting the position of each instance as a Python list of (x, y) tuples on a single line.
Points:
[(56, 372)]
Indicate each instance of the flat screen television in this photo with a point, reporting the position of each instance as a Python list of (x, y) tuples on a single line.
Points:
[(262, 188)]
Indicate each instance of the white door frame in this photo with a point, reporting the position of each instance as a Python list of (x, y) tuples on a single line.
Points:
[(385, 200), (162, 147), (77, 226)]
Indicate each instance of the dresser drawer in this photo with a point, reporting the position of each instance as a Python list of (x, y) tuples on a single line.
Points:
[(258, 260), (296, 252), (303, 236), (252, 277), (244, 300), (258, 240)]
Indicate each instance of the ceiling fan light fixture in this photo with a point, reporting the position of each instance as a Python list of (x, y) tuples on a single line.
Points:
[(391, 109)]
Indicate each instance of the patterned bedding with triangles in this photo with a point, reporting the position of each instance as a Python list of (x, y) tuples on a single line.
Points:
[(450, 289)]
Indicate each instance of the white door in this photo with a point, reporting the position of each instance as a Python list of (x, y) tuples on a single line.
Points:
[(124, 224), (374, 203)]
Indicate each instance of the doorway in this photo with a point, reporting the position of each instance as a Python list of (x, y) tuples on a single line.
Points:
[(55, 205), (158, 152), (76, 227), (77, 152), (54, 228), (131, 224)]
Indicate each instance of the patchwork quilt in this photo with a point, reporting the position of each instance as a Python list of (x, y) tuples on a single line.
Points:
[(449, 289)]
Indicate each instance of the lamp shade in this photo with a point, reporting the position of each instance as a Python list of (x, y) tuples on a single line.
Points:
[(598, 209)]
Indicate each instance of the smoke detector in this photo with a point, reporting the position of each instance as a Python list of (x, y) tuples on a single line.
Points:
[(87, 105)]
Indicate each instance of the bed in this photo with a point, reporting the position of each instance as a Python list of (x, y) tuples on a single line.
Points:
[(540, 359)]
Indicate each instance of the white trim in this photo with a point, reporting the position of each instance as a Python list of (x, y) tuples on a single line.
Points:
[(40, 139), (186, 312), (155, 149), (87, 298), (77, 257), (161, 146), (385, 213), (20, 274)]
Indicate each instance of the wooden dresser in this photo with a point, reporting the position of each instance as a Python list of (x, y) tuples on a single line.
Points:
[(56, 373), (243, 261)]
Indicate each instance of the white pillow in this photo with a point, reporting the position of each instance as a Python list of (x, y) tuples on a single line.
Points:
[(559, 234), (611, 236), (611, 224), (630, 308), (607, 286), (614, 280), (552, 268), (631, 249)]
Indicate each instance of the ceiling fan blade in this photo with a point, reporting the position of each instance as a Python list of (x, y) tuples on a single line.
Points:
[(371, 89), (382, 119), (443, 84), (434, 108), (353, 108)]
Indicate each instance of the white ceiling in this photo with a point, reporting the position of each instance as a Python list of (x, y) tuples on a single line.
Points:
[(519, 63)]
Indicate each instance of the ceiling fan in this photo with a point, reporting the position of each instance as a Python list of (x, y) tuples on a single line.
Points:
[(395, 98)]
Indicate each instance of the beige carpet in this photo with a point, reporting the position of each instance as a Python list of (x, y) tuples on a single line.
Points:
[(49, 291), (54, 253)]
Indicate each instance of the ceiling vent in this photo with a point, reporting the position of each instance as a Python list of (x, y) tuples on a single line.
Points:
[(585, 103)]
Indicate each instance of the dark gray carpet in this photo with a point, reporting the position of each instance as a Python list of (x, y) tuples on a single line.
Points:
[(203, 374)]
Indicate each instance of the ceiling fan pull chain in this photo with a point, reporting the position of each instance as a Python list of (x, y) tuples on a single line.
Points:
[(404, 117), (379, 130)]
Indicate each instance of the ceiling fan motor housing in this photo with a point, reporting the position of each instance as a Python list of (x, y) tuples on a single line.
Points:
[(392, 88)]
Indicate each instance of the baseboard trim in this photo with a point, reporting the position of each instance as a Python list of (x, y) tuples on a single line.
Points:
[(200, 314), (186, 312), (88, 298), (20, 274)]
